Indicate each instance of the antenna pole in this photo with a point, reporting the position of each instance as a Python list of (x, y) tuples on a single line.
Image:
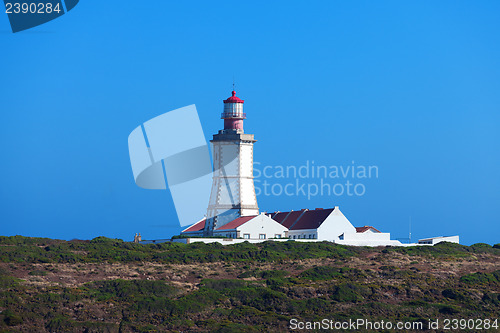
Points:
[(410, 229)]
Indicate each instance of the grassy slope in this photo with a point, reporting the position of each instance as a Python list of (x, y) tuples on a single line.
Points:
[(107, 285)]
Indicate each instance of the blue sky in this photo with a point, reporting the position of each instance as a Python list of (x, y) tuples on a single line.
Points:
[(411, 87)]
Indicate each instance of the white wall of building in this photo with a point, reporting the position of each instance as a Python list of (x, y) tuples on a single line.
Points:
[(303, 234), (335, 225), (436, 240), (368, 236), (262, 225), (368, 239), (230, 241), (360, 242)]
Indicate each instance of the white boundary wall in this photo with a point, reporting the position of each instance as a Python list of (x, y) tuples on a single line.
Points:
[(230, 241)]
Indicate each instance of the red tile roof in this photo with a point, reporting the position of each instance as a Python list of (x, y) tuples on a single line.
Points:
[(302, 219), (236, 223), (291, 218), (365, 228), (294, 220), (279, 216), (198, 226), (312, 219)]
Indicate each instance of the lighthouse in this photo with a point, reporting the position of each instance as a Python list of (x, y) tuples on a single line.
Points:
[(233, 192)]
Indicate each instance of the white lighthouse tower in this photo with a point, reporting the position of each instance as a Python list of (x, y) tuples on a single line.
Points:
[(233, 191)]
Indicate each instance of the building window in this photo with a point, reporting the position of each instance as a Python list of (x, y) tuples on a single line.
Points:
[(294, 236), (277, 236), (246, 236), (310, 236), (262, 236)]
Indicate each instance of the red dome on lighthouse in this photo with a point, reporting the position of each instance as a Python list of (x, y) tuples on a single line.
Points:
[(234, 99)]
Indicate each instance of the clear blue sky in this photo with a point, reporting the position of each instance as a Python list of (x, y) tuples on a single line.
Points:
[(411, 87)]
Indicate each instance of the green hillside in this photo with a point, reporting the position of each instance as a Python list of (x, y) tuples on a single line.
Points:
[(107, 285)]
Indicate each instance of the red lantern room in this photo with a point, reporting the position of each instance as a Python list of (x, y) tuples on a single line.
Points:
[(233, 113)]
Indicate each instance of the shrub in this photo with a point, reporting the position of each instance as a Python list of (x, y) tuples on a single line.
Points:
[(40, 250), (11, 319), (491, 298), (419, 303), (220, 285), (38, 273), (448, 309), (21, 240), (7, 281), (453, 294), (273, 274), (130, 289), (248, 274), (105, 240), (481, 246), (348, 292), (481, 277), (328, 273)]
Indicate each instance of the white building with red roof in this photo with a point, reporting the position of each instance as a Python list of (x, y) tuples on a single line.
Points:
[(330, 225), (314, 225), (253, 227), (321, 224)]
